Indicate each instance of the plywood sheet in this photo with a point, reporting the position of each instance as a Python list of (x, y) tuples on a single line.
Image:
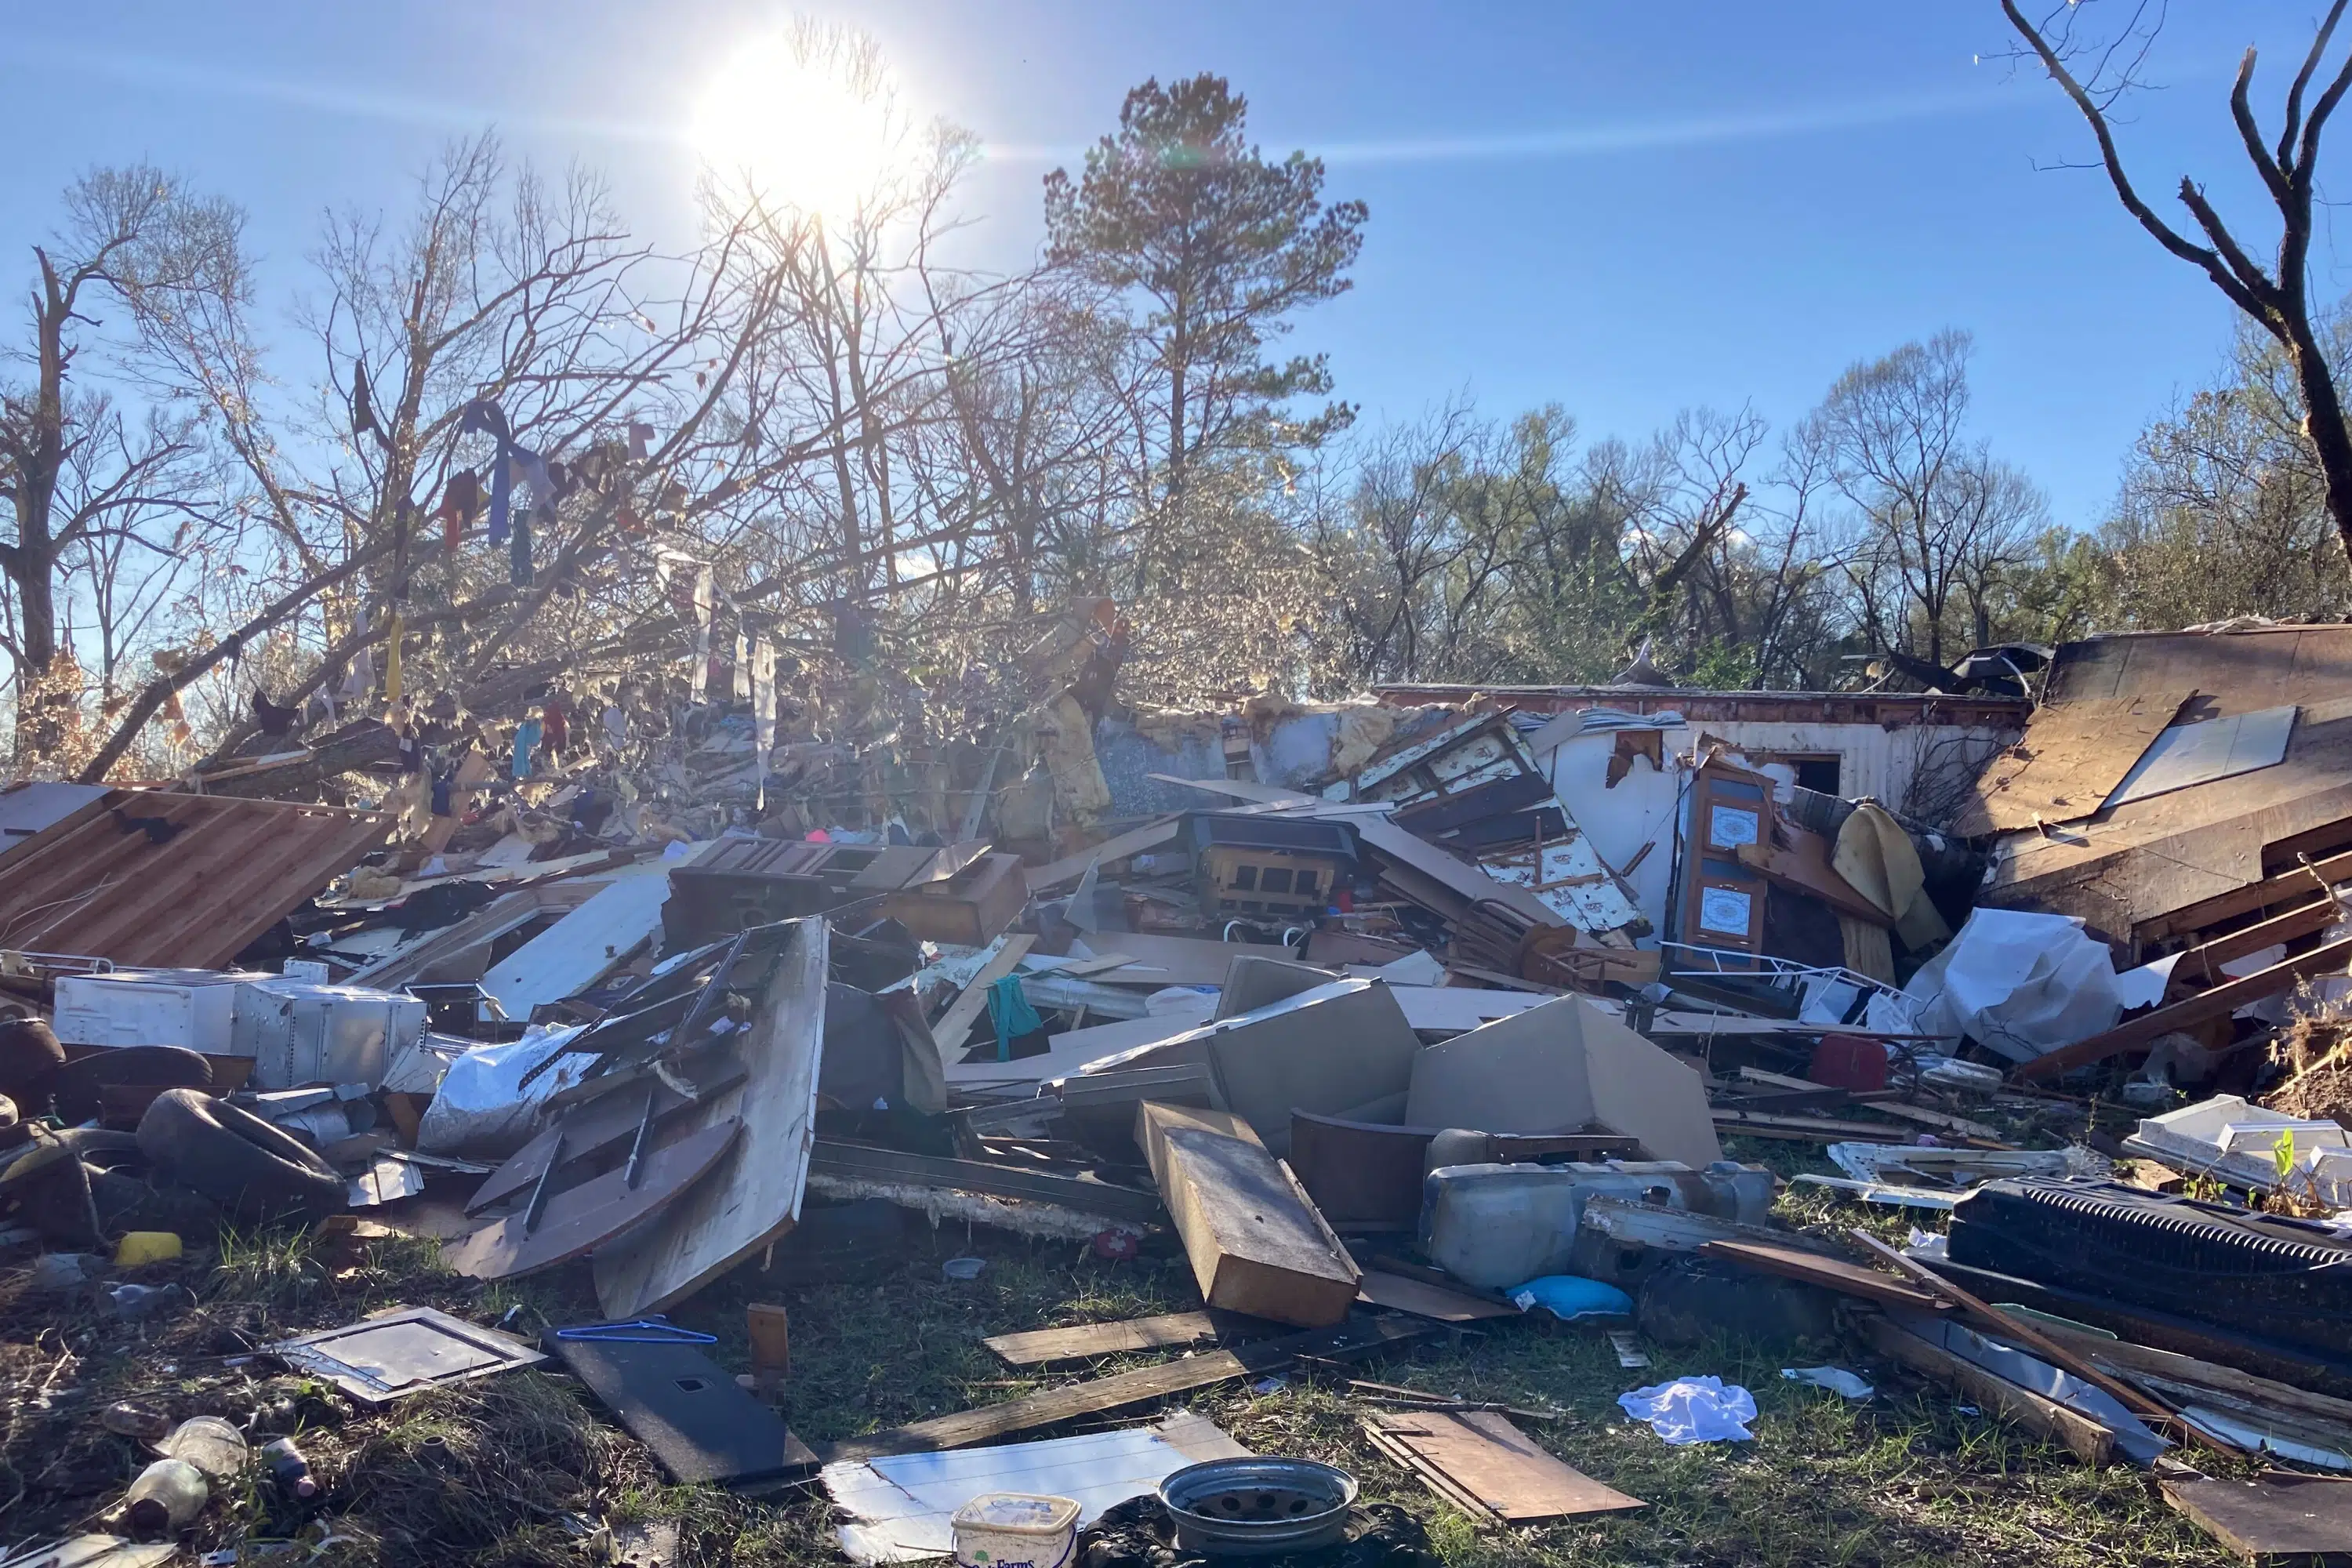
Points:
[(2278, 1519), (2072, 756), (1479, 1453), (580, 1219), (754, 1195), (582, 948), (1058, 1347)]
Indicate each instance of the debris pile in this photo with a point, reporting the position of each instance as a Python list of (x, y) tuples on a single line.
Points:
[(1386, 1020)]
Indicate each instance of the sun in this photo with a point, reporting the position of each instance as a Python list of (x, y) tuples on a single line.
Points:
[(805, 119)]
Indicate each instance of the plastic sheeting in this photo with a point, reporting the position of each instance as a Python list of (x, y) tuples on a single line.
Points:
[(484, 1109), (2019, 983)]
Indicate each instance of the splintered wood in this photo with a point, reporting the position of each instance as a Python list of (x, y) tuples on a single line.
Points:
[(1489, 1468)]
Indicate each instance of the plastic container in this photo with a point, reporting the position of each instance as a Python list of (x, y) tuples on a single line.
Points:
[(167, 1497), (964, 1268), (143, 1247), (1015, 1530), (1496, 1225), (210, 1444), (289, 1471)]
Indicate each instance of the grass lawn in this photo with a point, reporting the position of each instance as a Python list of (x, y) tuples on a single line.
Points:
[(503, 1472)]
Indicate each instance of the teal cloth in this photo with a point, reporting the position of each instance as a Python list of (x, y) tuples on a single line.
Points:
[(1010, 1011)]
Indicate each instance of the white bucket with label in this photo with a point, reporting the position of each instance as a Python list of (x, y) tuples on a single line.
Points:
[(1015, 1530)]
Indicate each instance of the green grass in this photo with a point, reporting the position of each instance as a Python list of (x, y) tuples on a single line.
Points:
[(502, 1471)]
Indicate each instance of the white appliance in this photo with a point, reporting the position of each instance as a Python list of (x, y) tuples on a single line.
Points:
[(195, 1008), (301, 1033)]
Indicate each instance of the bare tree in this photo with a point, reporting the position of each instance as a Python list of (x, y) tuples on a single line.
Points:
[(2277, 299), (78, 471), (1936, 512)]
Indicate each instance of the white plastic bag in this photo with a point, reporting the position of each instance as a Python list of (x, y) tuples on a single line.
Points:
[(1693, 1410)]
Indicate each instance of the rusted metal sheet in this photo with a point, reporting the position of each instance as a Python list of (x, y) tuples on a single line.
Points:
[(173, 882), (1888, 710)]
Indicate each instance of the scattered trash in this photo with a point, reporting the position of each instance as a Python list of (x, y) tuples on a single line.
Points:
[(1628, 1356), (996, 1530), (1693, 1410), (165, 1498), (962, 1268), (139, 1247), (1836, 1378)]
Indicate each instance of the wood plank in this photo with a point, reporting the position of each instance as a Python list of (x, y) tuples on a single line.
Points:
[(2079, 1435), (578, 1220), (1424, 1300), (1510, 1474), (1829, 1273), (2288, 887), (754, 1195), (2280, 1520), (1057, 1347), (1803, 1129), (2204, 962), (1256, 1243), (1122, 1391), (2217, 1003), (1158, 961), (1135, 841), (2069, 759), (2128, 1359), (954, 1027), (1918, 1113), (595, 1127), (2018, 1331)]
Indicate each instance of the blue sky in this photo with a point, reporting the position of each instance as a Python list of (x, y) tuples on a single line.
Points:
[(1624, 209)]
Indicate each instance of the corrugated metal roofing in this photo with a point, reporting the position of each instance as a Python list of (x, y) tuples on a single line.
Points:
[(98, 883)]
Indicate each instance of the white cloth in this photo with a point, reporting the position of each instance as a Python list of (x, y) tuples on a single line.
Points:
[(1693, 1410)]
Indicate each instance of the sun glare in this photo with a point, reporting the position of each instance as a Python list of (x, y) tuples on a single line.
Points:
[(794, 125)]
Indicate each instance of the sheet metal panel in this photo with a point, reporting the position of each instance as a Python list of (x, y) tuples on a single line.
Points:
[(229, 868)]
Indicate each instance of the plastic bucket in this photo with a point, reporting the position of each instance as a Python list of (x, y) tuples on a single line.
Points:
[(1015, 1530)]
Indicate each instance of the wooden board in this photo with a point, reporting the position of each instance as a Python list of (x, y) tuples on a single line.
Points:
[(1481, 1453), (1829, 1273), (1135, 841), (2070, 757), (1424, 1300), (2281, 1519), (1256, 1243), (2288, 888), (593, 1128), (2079, 1435), (954, 1027), (2203, 964), (1125, 1389), (2217, 1003), (578, 1220), (1918, 1113), (1156, 961), (754, 1195), (1057, 1347)]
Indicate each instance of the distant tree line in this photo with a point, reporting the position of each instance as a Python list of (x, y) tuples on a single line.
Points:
[(513, 441)]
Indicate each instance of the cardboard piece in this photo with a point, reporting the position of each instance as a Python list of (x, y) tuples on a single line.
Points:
[(1256, 1243), (1327, 1051), (1565, 1066)]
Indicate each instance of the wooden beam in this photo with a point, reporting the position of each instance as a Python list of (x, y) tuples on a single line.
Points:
[(1256, 1242), (2079, 1435), (1135, 841), (1829, 1273), (2295, 887), (1097, 1396), (1058, 1347), (1918, 1113), (2219, 1002), (2019, 1333), (2204, 962)]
